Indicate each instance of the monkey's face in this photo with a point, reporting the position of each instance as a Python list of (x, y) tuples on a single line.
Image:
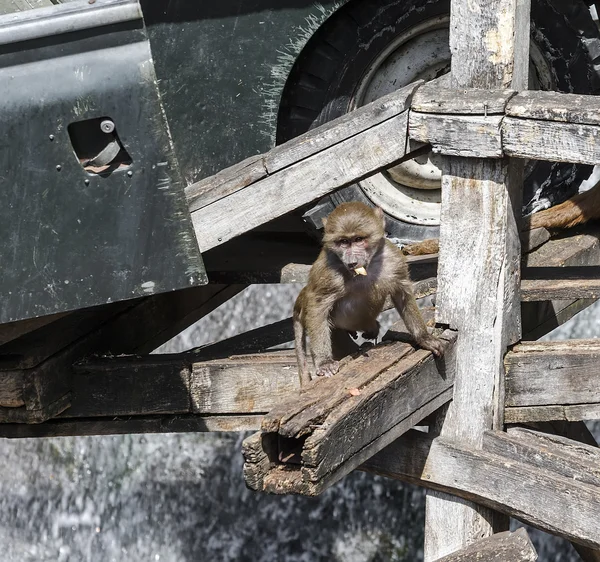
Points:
[(353, 251), (354, 232)]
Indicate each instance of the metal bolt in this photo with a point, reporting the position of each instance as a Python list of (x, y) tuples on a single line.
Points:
[(58, 167), (51, 137), (86, 181), (107, 126), (130, 173)]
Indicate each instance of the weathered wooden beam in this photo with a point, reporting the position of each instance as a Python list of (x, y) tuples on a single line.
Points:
[(548, 140), (490, 124), (43, 391), (475, 136), (501, 547), (539, 496), (181, 384), (560, 283), (579, 249), (553, 381), (303, 170), (480, 253), (128, 425), (437, 97), (313, 439)]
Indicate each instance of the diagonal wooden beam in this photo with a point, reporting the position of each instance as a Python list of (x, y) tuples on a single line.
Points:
[(541, 494)]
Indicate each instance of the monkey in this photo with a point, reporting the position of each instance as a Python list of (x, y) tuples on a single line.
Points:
[(356, 270), (575, 211)]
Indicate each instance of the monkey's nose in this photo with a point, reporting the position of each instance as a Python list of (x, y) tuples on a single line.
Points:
[(353, 265)]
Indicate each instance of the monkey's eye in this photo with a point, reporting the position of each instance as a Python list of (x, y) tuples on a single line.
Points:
[(359, 239), (343, 242)]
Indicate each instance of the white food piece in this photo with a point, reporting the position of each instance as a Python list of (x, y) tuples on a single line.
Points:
[(360, 271)]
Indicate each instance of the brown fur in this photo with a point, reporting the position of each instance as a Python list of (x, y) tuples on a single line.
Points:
[(577, 210), (426, 247), (335, 298)]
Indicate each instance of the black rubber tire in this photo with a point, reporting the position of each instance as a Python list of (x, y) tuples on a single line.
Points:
[(331, 65)]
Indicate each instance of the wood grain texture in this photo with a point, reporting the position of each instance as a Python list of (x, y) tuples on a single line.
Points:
[(129, 425), (479, 265), (181, 384), (562, 456), (553, 373), (548, 140), (248, 384), (436, 97), (543, 498), (331, 429), (548, 283), (474, 136), (346, 126), (555, 106), (478, 284), (226, 182), (501, 547), (352, 159), (489, 40), (576, 412)]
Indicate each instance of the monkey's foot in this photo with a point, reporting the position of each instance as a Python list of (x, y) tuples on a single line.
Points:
[(372, 334), (433, 344), (328, 369)]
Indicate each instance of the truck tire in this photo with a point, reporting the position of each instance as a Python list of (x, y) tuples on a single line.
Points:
[(369, 48)]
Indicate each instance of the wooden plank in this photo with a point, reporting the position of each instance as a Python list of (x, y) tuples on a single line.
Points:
[(532, 239), (130, 386), (560, 283), (11, 390), (501, 547), (332, 435), (550, 373), (479, 266), (296, 416), (435, 97), (568, 458), (555, 106), (475, 136), (226, 182), (118, 426), (13, 330), (573, 412), (139, 328), (541, 317), (180, 384), (542, 498), (577, 249), (346, 126), (349, 160), (548, 140), (36, 346), (243, 384)]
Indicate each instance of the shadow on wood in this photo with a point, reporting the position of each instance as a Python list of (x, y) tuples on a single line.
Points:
[(313, 439)]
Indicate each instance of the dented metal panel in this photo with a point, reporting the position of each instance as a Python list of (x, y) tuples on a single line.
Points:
[(74, 237)]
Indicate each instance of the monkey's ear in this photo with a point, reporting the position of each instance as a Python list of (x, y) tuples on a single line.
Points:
[(379, 214)]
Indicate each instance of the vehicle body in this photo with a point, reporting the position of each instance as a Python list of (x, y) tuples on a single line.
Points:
[(228, 81)]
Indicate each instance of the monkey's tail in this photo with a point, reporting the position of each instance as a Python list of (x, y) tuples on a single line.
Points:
[(300, 344)]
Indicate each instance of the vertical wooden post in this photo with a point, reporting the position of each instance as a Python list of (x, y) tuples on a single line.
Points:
[(479, 273)]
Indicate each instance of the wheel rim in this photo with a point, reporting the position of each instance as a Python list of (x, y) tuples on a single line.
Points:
[(411, 191)]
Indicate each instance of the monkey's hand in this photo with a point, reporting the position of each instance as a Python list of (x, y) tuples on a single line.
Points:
[(328, 368), (433, 344)]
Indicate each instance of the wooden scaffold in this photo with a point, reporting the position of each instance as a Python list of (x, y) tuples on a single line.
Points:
[(503, 413)]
